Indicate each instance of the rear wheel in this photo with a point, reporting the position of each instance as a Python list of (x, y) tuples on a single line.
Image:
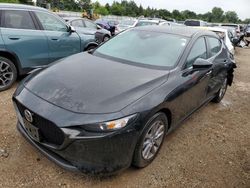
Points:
[(150, 141), (8, 73), (219, 96)]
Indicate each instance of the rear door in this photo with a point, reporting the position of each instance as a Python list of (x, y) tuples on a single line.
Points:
[(21, 36), (61, 42), (218, 56)]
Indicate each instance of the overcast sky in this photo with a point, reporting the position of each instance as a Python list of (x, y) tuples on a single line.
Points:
[(241, 7)]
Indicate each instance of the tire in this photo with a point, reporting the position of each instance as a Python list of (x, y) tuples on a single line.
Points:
[(8, 73), (141, 157), (91, 47), (220, 94), (105, 38)]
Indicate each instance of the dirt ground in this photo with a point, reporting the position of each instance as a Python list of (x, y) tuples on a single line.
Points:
[(211, 149)]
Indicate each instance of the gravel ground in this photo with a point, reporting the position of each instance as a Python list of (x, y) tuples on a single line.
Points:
[(210, 149)]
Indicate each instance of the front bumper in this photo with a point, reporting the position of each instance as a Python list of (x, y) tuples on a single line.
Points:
[(106, 155), (91, 153)]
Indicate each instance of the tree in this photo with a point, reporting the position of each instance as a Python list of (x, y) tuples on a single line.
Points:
[(177, 15), (187, 14), (140, 10), (117, 9), (231, 16), (217, 14)]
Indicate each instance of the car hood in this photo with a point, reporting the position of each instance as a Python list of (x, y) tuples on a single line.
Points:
[(84, 83)]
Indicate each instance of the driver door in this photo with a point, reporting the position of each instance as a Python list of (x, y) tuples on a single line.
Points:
[(194, 81)]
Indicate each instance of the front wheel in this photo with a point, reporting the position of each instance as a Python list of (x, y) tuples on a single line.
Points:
[(8, 73), (220, 94), (150, 141)]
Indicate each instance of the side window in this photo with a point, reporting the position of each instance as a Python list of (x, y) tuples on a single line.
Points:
[(90, 24), (77, 23), (17, 19), (215, 45), (50, 22), (198, 50)]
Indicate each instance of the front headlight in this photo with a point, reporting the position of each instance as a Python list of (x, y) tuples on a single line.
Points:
[(110, 125)]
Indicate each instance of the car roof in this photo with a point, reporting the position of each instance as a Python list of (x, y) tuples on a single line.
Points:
[(21, 6), (182, 31)]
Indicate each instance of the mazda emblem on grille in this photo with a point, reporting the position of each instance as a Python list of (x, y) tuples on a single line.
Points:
[(28, 116)]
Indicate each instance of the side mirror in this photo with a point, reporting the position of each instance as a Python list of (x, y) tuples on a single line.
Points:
[(202, 64), (71, 29)]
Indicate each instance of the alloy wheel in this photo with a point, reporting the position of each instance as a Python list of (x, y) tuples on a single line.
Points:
[(153, 140), (6, 74)]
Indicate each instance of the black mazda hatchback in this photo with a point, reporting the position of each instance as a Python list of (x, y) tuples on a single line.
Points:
[(103, 110)]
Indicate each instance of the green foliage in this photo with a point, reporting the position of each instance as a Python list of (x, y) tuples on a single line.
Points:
[(231, 16), (130, 8), (9, 1)]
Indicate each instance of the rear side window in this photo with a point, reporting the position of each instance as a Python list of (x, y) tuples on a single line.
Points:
[(215, 46), (199, 50), (17, 19)]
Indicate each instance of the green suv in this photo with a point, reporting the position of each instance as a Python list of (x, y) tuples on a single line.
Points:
[(32, 37)]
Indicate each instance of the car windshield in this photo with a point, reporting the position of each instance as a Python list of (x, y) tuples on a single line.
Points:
[(144, 48)]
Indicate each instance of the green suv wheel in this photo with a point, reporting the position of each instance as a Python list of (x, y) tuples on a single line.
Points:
[(8, 73)]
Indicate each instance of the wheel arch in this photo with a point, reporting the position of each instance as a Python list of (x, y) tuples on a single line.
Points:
[(90, 44), (12, 57), (168, 113)]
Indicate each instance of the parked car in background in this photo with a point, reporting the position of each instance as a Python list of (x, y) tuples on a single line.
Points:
[(192, 22), (123, 98), (33, 37), (105, 24), (126, 24), (223, 34), (247, 31), (86, 26), (167, 23), (238, 28), (145, 22)]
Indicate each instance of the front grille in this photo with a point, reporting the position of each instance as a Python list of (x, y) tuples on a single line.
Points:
[(50, 133)]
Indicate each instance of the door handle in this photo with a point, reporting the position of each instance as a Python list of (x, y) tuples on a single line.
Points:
[(14, 38), (54, 39)]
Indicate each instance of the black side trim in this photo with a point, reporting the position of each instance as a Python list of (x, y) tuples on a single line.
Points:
[(39, 24), (34, 20)]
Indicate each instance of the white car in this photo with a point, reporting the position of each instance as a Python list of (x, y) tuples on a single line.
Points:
[(223, 33)]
